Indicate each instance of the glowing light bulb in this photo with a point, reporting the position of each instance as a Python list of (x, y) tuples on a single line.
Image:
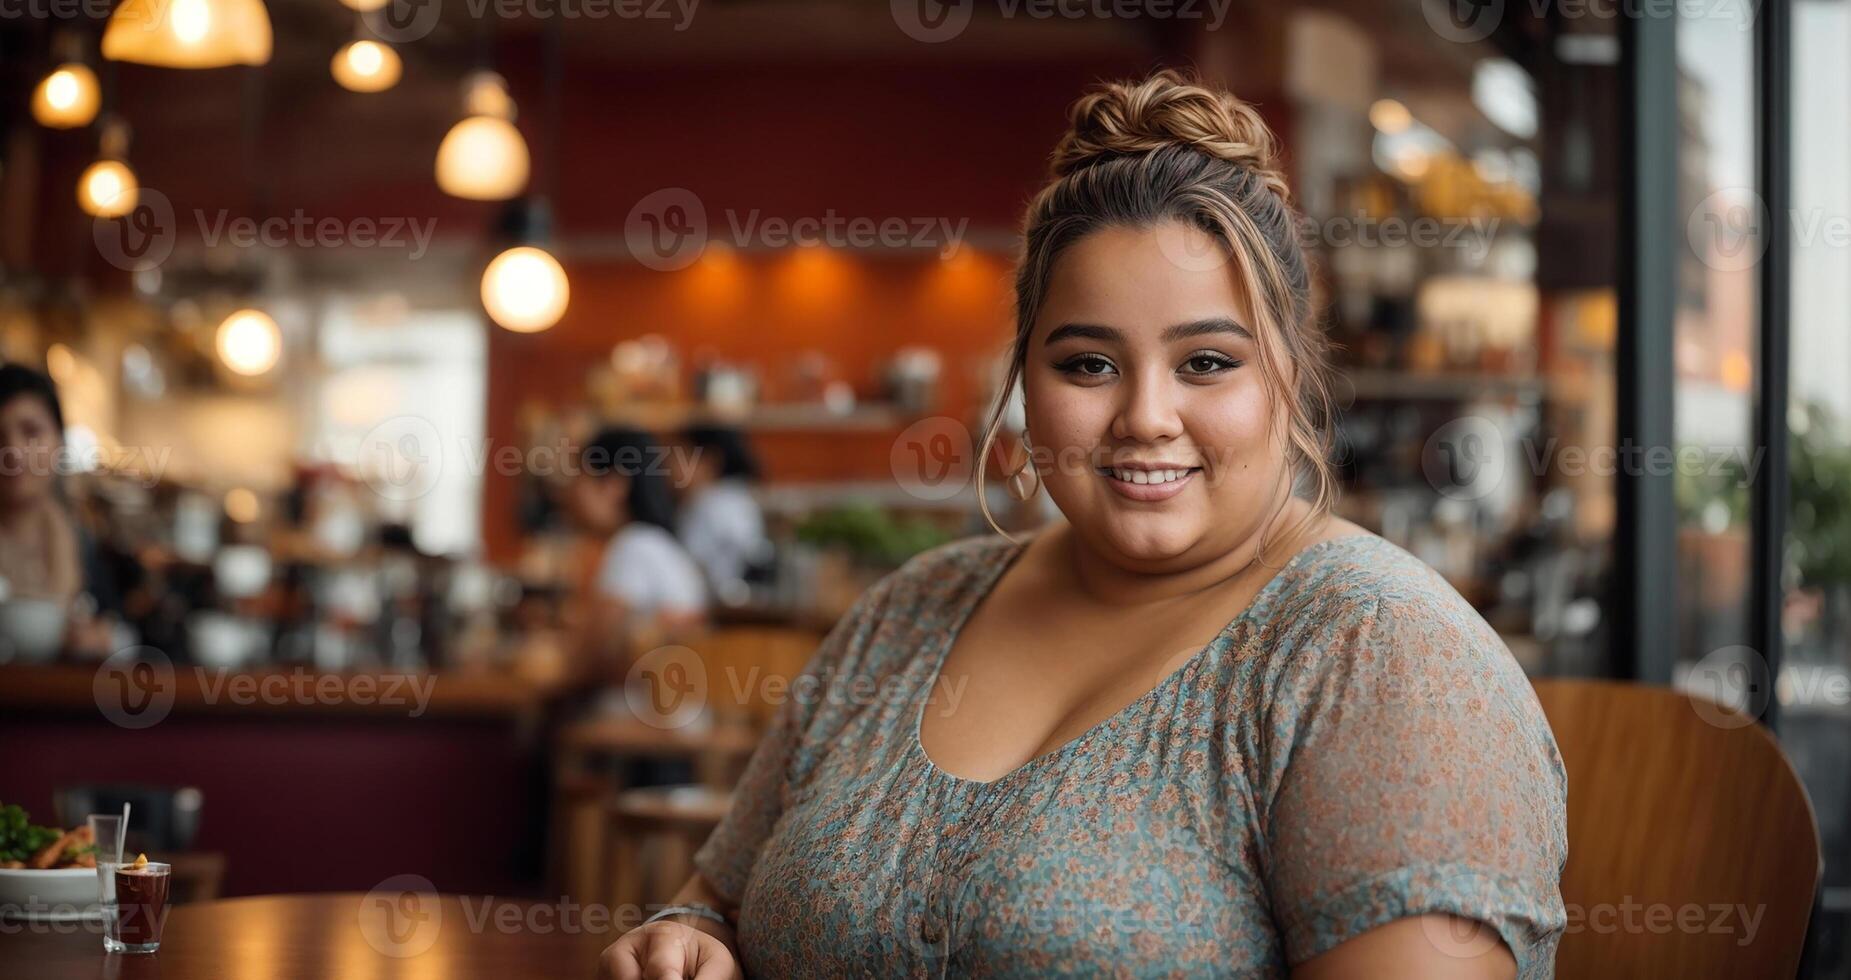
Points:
[(249, 342), (192, 20), (367, 66), (525, 290), (189, 33), (67, 98), (482, 158), (108, 189)]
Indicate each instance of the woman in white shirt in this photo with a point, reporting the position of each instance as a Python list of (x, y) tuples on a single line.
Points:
[(721, 523), (645, 583)]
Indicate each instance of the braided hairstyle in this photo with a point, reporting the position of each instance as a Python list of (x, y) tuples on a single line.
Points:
[(1168, 149)]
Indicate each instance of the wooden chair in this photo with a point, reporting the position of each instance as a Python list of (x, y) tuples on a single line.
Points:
[(584, 787), (748, 672), (749, 669), (1692, 848), (654, 833)]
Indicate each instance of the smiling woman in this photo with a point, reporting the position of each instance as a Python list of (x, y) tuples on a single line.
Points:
[(1200, 726)]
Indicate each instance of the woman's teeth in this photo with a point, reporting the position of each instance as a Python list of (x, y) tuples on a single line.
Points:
[(1148, 476)]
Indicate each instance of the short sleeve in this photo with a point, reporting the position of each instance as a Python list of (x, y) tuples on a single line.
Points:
[(1415, 774), (647, 570), (759, 798)]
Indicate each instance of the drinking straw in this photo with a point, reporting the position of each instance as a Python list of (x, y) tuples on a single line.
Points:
[(122, 832)]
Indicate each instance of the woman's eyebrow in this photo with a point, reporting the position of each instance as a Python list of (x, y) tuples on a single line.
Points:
[(1197, 328), (1180, 331), (1083, 331)]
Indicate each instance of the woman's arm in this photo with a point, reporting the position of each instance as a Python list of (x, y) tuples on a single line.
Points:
[(1427, 947), (698, 891)]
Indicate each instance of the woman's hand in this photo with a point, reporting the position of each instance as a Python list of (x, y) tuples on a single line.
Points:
[(669, 950)]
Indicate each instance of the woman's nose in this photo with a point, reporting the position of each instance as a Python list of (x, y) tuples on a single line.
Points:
[(1149, 411)]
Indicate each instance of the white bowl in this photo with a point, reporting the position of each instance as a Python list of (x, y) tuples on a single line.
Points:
[(31, 628), (56, 893)]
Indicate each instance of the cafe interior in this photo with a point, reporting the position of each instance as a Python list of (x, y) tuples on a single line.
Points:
[(334, 295)]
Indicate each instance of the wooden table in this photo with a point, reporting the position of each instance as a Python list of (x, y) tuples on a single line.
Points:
[(403, 934)]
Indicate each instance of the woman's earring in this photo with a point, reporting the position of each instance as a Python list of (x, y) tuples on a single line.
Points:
[(1024, 482)]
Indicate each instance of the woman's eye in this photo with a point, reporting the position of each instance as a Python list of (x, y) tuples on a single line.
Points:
[(1088, 366), (1209, 363)]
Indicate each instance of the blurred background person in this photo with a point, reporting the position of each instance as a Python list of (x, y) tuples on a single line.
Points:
[(644, 589), (39, 555), (720, 522)]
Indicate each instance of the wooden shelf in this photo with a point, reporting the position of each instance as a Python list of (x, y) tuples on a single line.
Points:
[(774, 417)]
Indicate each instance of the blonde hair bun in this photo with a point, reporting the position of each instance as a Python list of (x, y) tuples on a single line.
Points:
[(1122, 119)]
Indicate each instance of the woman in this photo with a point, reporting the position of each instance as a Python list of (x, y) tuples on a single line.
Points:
[(645, 588), (39, 554), (1200, 728), (721, 523)]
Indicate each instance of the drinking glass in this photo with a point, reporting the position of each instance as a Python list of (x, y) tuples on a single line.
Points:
[(140, 908)]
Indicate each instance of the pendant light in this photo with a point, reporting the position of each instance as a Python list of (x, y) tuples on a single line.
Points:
[(108, 188), (483, 157), (189, 33), (366, 65), (524, 289), (68, 96)]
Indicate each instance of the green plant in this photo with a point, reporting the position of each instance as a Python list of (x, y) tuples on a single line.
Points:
[(1819, 495), (870, 535)]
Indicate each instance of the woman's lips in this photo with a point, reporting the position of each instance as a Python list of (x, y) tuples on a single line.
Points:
[(1159, 485)]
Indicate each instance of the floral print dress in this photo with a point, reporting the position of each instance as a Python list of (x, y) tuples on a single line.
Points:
[(1356, 747)]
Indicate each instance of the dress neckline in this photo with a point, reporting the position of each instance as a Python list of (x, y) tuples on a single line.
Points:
[(985, 583)]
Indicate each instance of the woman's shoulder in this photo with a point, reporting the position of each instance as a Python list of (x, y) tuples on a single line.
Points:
[(643, 540), (1362, 614), (1341, 584), (640, 551)]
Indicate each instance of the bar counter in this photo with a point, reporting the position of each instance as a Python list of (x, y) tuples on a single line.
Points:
[(131, 698), (311, 782)]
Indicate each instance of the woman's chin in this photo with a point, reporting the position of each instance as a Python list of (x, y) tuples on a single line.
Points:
[(1151, 539)]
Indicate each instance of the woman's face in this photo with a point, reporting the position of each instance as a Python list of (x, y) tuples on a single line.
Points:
[(595, 501), (1153, 428), (29, 441)]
